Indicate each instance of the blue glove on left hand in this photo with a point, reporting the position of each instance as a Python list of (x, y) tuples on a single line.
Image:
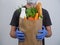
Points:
[(41, 33), (20, 35)]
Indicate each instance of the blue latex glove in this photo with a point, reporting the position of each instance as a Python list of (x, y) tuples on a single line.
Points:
[(41, 33), (20, 35)]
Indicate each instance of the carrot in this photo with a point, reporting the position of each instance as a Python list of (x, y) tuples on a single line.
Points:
[(36, 16), (30, 18)]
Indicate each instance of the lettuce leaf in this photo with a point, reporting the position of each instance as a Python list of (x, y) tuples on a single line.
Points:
[(30, 12)]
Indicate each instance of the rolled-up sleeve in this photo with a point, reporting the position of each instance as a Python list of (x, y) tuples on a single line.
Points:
[(46, 18), (15, 19)]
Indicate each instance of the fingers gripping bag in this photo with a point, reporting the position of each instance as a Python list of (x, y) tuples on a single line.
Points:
[(29, 23)]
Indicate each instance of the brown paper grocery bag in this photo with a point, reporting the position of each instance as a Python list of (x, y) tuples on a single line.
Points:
[(30, 28)]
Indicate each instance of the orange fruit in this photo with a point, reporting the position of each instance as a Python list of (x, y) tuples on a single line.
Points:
[(30, 18)]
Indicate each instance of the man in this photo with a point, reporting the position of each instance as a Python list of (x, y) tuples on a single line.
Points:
[(14, 33)]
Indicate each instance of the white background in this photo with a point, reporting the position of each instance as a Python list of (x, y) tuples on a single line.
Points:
[(7, 7)]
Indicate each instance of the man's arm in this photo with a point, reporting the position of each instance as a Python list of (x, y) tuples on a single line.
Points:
[(12, 32), (47, 22), (48, 28), (14, 23)]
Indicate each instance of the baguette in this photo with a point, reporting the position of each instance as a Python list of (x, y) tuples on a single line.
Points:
[(39, 8)]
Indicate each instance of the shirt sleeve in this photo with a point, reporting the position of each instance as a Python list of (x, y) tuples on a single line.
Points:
[(15, 19), (46, 18)]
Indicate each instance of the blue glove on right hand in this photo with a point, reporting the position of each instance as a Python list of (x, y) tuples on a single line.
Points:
[(41, 33), (20, 35)]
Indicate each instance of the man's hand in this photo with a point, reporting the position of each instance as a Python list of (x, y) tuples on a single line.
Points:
[(41, 33), (20, 35)]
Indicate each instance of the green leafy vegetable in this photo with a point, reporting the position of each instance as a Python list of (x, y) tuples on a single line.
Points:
[(41, 16), (30, 12)]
